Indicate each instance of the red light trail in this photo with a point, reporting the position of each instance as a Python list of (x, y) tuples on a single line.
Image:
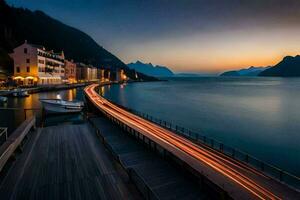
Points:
[(239, 178)]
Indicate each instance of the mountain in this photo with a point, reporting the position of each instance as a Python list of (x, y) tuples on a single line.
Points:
[(18, 25), (151, 70), (251, 71), (288, 67)]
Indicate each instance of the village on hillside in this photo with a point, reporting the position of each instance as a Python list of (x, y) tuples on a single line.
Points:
[(34, 65)]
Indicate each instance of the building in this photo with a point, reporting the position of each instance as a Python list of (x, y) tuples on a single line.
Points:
[(107, 75), (87, 73), (100, 75), (120, 75), (81, 72), (70, 71), (93, 74), (33, 64)]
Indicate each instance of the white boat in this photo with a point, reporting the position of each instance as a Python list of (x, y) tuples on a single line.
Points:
[(3, 99), (62, 106)]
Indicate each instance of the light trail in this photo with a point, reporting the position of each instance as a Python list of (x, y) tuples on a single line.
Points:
[(239, 173)]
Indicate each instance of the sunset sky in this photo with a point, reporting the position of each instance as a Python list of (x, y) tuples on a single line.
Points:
[(207, 36)]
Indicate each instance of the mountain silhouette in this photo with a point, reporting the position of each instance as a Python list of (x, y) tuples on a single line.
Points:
[(251, 71), (151, 70), (288, 67)]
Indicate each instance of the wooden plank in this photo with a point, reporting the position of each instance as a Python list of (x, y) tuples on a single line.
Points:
[(14, 140), (66, 162)]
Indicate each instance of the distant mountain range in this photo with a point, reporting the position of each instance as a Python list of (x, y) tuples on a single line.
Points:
[(150, 69), (18, 25), (251, 71), (288, 67)]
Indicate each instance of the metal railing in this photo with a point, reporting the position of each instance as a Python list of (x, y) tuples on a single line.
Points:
[(215, 145), (3, 131)]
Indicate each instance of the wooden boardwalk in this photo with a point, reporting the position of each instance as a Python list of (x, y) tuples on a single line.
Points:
[(163, 179), (66, 162)]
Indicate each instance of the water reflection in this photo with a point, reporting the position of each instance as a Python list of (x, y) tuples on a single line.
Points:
[(11, 118)]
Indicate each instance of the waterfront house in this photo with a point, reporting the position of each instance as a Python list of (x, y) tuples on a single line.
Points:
[(70, 71), (33, 65), (120, 75), (88, 73), (100, 75), (93, 74)]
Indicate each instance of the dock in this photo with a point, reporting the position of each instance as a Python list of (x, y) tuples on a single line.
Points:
[(66, 162), (92, 160)]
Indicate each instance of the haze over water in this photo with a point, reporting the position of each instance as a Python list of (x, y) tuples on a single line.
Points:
[(260, 116)]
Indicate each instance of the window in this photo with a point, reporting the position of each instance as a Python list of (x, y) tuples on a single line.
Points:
[(18, 69), (28, 69), (27, 60), (25, 50)]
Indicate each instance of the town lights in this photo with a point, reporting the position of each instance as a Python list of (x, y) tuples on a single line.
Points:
[(18, 77)]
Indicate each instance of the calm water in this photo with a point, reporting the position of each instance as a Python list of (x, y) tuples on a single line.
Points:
[(12, 118), (260, 116)]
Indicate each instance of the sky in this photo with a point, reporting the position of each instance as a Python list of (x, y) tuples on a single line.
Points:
[(198, 36)]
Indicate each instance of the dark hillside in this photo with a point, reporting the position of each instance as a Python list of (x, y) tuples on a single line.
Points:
[(18, 25)]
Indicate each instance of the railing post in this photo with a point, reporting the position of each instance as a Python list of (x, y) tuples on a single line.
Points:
[(280, 175), (221, 147)]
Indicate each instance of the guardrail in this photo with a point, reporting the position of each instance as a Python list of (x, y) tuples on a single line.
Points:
[(3, 131), (133, 175), (268, 169), (8, 148)]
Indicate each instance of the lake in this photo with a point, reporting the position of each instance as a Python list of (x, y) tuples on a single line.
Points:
[(260, 116)]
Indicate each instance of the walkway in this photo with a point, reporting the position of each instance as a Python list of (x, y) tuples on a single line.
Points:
[(163, 179), (66, 162)]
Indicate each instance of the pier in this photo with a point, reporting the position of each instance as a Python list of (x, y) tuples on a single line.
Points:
[(65, 162)]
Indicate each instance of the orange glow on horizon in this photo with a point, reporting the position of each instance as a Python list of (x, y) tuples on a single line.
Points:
[(219, 51)]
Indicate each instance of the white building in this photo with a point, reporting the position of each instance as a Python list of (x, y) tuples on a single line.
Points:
[(33, 64)]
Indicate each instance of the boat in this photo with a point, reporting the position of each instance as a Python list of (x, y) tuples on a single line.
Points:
[(3, 99), (61, 106), (20, 93)]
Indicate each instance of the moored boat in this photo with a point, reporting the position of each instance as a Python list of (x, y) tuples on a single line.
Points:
[(20, 93), (3, 99), (61, 106)]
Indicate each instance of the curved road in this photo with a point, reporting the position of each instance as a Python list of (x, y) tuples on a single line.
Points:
[(236, 178)]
